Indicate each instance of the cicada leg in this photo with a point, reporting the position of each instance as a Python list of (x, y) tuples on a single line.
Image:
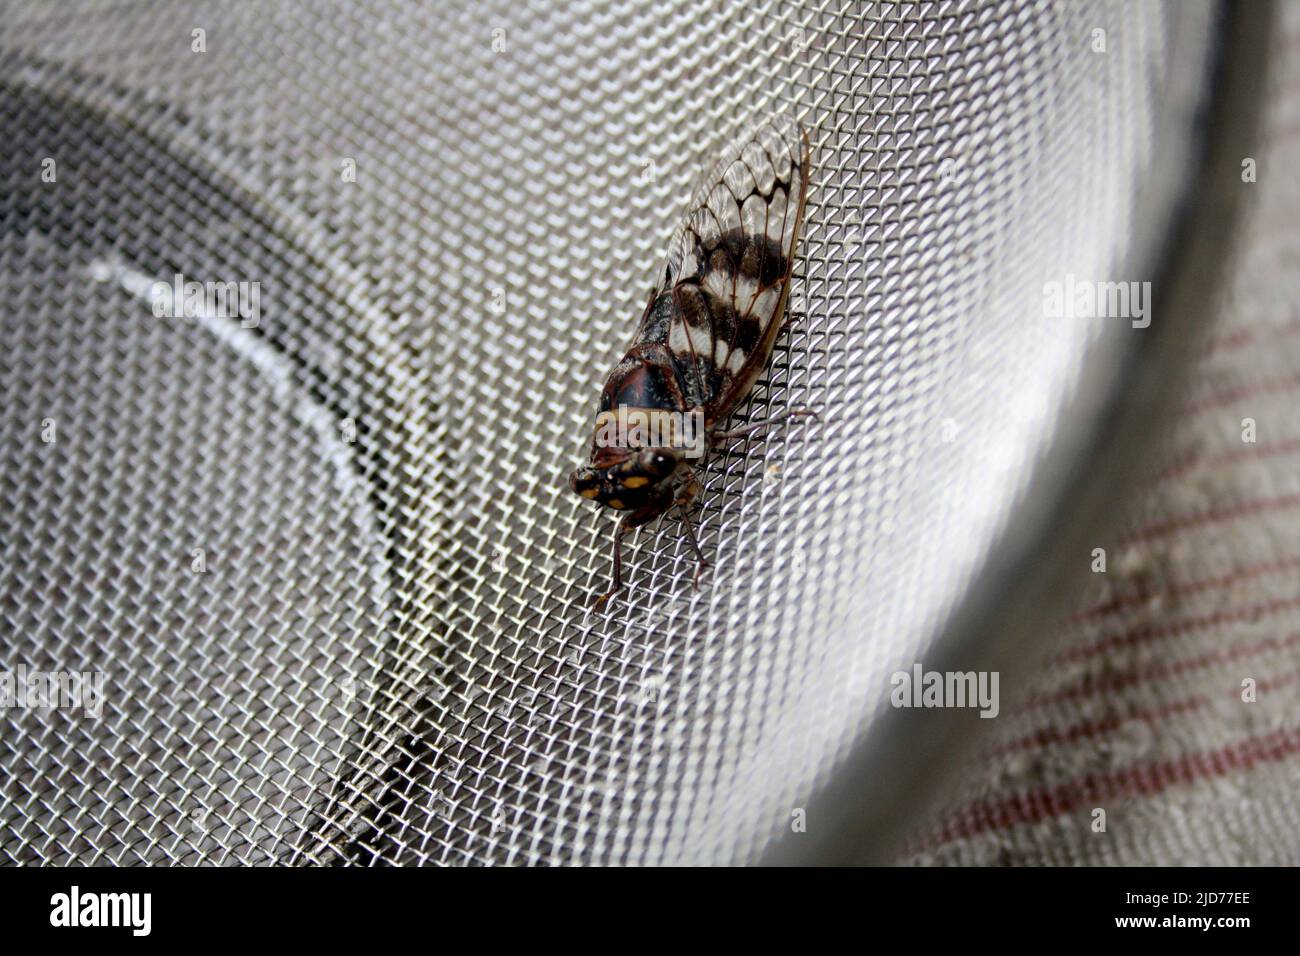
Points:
[(630, 522), (756, 426), (687, 491)]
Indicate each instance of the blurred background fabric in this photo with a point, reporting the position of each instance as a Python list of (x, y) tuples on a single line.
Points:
[(1136, 707)]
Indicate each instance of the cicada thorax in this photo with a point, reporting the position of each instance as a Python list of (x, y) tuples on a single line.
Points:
[(644, 404), (646, 377)]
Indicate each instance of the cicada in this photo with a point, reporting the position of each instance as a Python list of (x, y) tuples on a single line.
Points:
[(705, 337)]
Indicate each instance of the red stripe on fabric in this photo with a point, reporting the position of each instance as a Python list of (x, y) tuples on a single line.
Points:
[(1134, 598), (1226, 343), (1112, 683), (1047, 736), (1234, 395), (1163, 528), (1250, 612), (1221, 345), (1142, 780), (1274, 684), (1263, 450)]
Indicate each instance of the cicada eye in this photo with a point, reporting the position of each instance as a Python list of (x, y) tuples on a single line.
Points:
[(584, 482), (656, 464)]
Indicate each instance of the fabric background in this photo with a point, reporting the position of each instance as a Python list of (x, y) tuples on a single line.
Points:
[(1136, 704)]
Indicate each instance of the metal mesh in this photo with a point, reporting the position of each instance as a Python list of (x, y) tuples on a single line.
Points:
[(340, 596)]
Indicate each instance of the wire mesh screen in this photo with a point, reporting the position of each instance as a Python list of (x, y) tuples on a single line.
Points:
[(320, 549)]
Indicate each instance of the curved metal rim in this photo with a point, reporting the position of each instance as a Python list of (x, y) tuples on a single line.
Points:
[(149, 119), (893, 774)]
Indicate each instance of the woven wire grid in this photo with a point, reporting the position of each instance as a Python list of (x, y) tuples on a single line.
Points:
[(387, 651)]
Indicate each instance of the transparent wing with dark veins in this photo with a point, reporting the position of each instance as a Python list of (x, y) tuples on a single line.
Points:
[(723, 291)]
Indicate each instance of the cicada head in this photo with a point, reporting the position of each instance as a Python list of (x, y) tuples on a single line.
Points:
[(627, 479)]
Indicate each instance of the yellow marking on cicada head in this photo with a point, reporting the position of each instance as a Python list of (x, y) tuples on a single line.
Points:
[(635, 481), (615, 503), (589, 492)]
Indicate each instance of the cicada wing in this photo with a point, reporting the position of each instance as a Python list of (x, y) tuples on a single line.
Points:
[(727, 278)]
